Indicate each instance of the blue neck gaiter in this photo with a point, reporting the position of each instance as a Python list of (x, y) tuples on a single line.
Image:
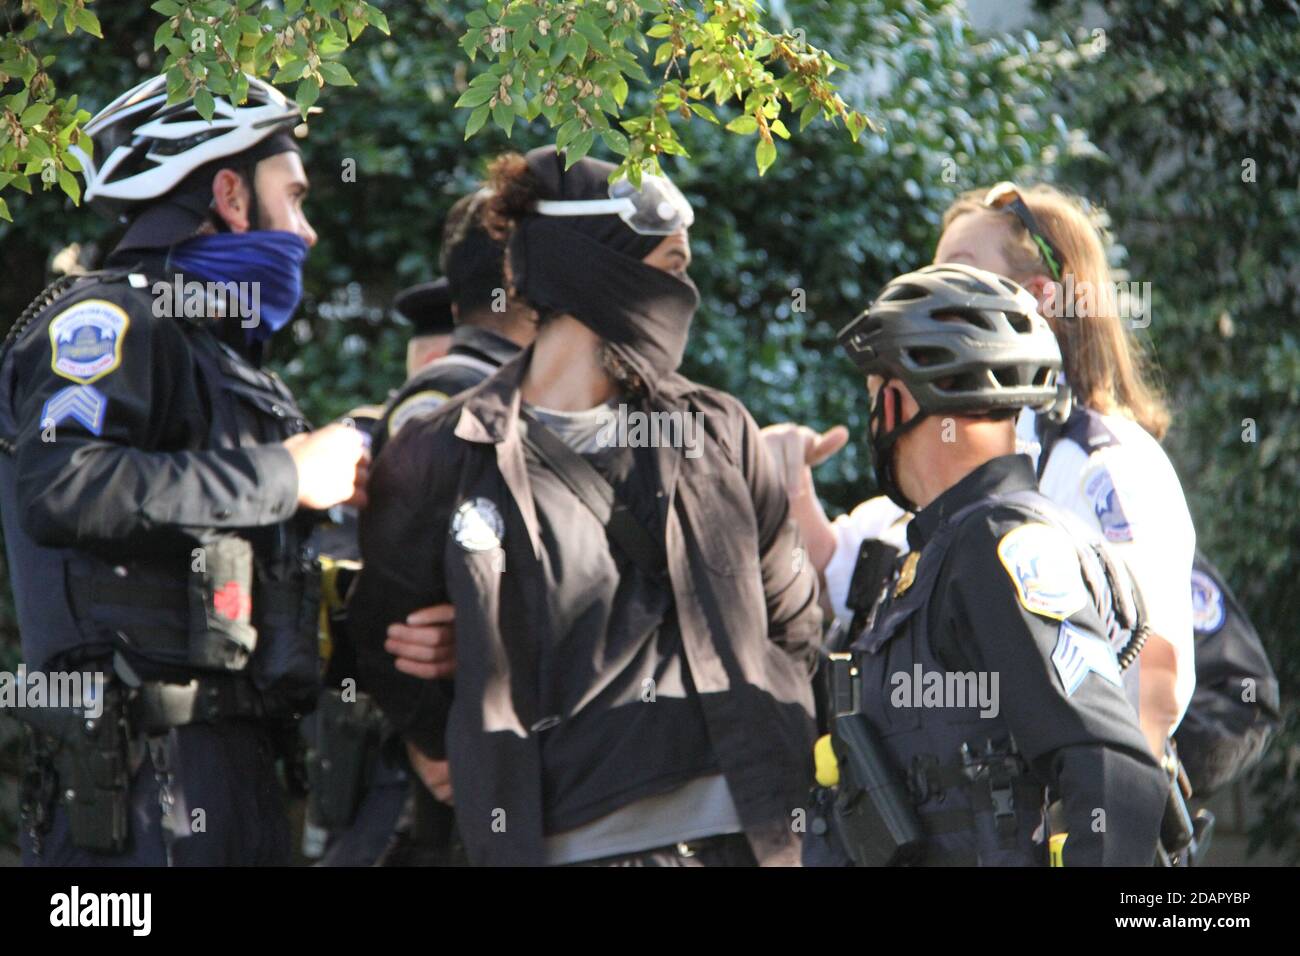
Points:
[(270, 261)]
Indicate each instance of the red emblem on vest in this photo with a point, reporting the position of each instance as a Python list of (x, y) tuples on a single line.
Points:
[(231, 602)]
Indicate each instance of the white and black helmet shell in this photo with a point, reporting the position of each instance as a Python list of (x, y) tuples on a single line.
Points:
[(143, 148), (961, 339)]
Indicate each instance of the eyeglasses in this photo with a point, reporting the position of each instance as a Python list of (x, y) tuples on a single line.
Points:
[(1005, 195)]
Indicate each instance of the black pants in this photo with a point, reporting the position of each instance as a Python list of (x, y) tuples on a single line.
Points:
[(729, 850)]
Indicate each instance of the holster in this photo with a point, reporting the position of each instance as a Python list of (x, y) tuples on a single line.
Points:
[(85, 764), (874, 813), (349, 737)]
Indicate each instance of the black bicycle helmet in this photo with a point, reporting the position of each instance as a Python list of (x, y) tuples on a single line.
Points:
[(963, 341)]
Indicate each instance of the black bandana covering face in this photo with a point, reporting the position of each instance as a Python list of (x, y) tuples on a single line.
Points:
[(590, 267)]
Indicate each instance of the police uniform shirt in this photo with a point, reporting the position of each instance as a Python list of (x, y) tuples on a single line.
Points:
[(1010, 600), (1127, 491), (1125, 487), (475, 354)]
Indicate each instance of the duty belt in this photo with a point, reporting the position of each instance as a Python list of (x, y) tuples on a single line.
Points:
[(157, 706)]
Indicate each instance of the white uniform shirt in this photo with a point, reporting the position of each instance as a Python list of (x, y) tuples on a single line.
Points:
[(1127, 491)]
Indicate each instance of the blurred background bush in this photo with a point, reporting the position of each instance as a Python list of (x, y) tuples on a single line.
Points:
[(1152, 118)]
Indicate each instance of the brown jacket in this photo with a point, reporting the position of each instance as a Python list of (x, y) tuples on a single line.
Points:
[(745, 594)]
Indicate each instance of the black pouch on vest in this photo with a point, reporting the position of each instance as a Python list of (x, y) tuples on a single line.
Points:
[(347, 740), (286, 613)]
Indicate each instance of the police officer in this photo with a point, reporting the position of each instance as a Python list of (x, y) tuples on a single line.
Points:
[(158, 488), (986, 685), (1236, 707), (485, 331), (427, 307), (490, 326)]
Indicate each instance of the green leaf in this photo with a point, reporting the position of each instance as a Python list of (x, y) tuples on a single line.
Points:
[(659, 31), (375, 17), (764, 155), (336, 74), (293, 71), (702, 111), (476, 120), (503, 116), (579, 148), (168, 8), (203, 103), (476, 96), (68, 183), (744, 125), (4, 211), (777, 127), (763, 48), (577, 47), (616, 142), (808, 114), (163, 34), (477, 18), (567, 132), (90, 23), (306, 95), (33, 115)]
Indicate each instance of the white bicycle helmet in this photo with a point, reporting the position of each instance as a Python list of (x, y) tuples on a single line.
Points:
[(144, 148)]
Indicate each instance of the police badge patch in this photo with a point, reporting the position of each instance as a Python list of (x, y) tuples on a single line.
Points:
[(477, 525), (1100, 489), (86, 340), (1079, 654), (1044, 567), (1208, 608)]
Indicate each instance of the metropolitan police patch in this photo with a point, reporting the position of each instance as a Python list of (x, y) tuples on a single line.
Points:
[(86, 340), (1044, 567), (1079, 654), (477, 525), (1208, 608), (1100, 489)]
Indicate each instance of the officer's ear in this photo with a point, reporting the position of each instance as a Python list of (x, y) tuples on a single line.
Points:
[(231, 200)]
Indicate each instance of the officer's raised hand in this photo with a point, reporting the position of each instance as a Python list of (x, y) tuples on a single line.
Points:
[(332, 465)]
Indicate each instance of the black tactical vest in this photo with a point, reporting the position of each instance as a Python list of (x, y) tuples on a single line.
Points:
[(244, 601), (971, 789)]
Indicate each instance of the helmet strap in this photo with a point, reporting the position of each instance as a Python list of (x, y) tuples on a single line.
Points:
[(882, 449)]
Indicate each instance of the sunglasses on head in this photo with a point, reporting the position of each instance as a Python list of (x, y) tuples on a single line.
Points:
[(1005, 195)]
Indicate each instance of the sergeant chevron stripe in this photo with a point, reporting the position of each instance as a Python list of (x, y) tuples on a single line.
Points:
[(82, 403)]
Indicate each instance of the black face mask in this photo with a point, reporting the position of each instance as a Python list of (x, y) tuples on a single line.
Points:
[(643, 313), (590, 267), (882, 447)]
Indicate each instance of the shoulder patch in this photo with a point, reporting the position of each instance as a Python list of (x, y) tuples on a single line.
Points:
[(82, 403), (86, 340), (1078, 654), (1044, 567), (1100, 489), (416, 406), (1208, 608)]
